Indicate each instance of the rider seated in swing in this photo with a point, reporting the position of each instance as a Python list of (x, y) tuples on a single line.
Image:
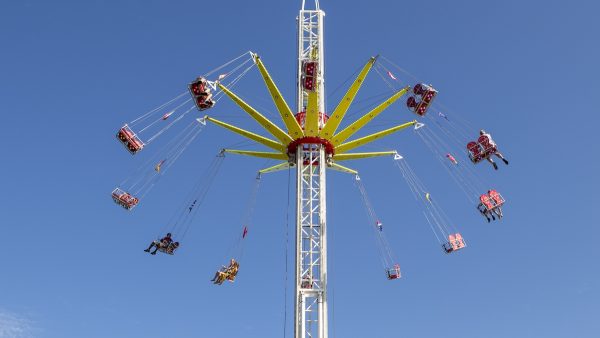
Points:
[(162, 243), (455, 243), (491, 204), (498, 202), (232, 270), (226, 272), (201, 93), (219, 277), (496, 152), (204, 100), (394, 272), (485, 212)]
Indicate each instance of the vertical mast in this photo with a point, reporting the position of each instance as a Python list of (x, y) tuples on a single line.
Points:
[(310, 320), (310, 47)]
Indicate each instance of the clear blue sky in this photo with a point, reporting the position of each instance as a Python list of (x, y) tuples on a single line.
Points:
[(72, 265)]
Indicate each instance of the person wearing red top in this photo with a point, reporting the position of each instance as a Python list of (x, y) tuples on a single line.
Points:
[(163, 243)]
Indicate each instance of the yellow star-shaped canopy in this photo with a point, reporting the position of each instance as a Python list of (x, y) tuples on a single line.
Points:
[(314, 129)]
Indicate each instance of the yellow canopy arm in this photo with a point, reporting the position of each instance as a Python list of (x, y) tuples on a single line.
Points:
[(343, 169), (286, 113), (368, 117), (262, 154), (254, 137), (263, 121), (370, 138), (277, 167), (340, 111), (311, 122), (356, 156)]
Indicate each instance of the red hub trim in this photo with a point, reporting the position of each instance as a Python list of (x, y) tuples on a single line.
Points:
[(293, 146)]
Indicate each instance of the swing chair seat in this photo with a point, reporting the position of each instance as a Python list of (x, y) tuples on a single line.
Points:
[(309, 73), (310, 68), (200, 91), (166, 250), (492, 200), (394, 272), (130, 140), (455, 243), (227, 273), (232, 271), (427, 94), (202, 103), (199, 87), (482, 149), (497, 198), (308, 83), (124, 199)]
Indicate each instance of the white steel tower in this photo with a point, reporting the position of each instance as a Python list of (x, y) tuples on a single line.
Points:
[(311, 221)]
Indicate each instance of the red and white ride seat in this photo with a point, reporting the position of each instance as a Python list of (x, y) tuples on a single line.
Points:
[(487, 202), (130, 140), (412, 103), (492, 200), (200, 91), (455, 243), (198, 87), (204, 102), (310, 71), (124, 199), (309, 83), (482, 149), (394, 272), (498, 199), (310, 68), (426, 93)]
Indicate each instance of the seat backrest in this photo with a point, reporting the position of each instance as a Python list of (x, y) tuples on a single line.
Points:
[(474, 150), (487, 144), (456, 241), (496, 197), (486, 201)]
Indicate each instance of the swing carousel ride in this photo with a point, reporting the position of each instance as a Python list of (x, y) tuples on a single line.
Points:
[(310, 142)]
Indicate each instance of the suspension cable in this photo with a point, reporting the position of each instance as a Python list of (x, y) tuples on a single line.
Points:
[(170, 124), (248, 216), (161, 118), (438, 220), (287, 228), (385, 251), (227, 64), (181, 221), (144, 116)]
